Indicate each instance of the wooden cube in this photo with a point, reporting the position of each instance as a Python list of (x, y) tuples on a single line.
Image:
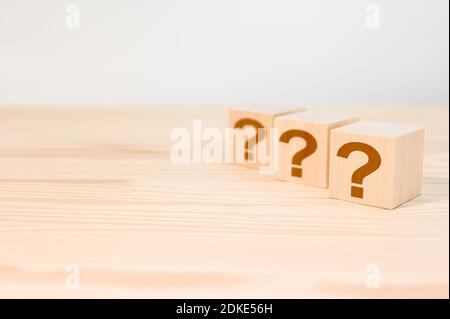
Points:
[(378, 164), (304, 142), (254, 118)]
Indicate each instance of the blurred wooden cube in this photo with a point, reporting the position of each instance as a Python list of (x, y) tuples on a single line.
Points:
[(250, 119), (378, 164), (304, 143)]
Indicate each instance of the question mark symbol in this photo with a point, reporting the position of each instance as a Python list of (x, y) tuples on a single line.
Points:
[(371, 166), (255, 139), (310, 148)]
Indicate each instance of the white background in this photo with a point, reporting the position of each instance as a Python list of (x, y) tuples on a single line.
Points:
[(220, 53)]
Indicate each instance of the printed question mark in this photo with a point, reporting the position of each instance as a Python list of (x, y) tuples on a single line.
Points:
[(255, 139), (310, 148), (371, 166)]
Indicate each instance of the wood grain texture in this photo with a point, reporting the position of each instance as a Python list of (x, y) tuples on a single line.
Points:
[(95, 187)]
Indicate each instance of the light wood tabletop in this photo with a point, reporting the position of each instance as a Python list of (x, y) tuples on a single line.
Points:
[(92, 192)]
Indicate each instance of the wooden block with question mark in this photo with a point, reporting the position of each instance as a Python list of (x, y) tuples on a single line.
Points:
[(252, 119), (304, 146), (378, 164)]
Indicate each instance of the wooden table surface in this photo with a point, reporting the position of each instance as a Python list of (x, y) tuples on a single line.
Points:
[(94, 187)]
